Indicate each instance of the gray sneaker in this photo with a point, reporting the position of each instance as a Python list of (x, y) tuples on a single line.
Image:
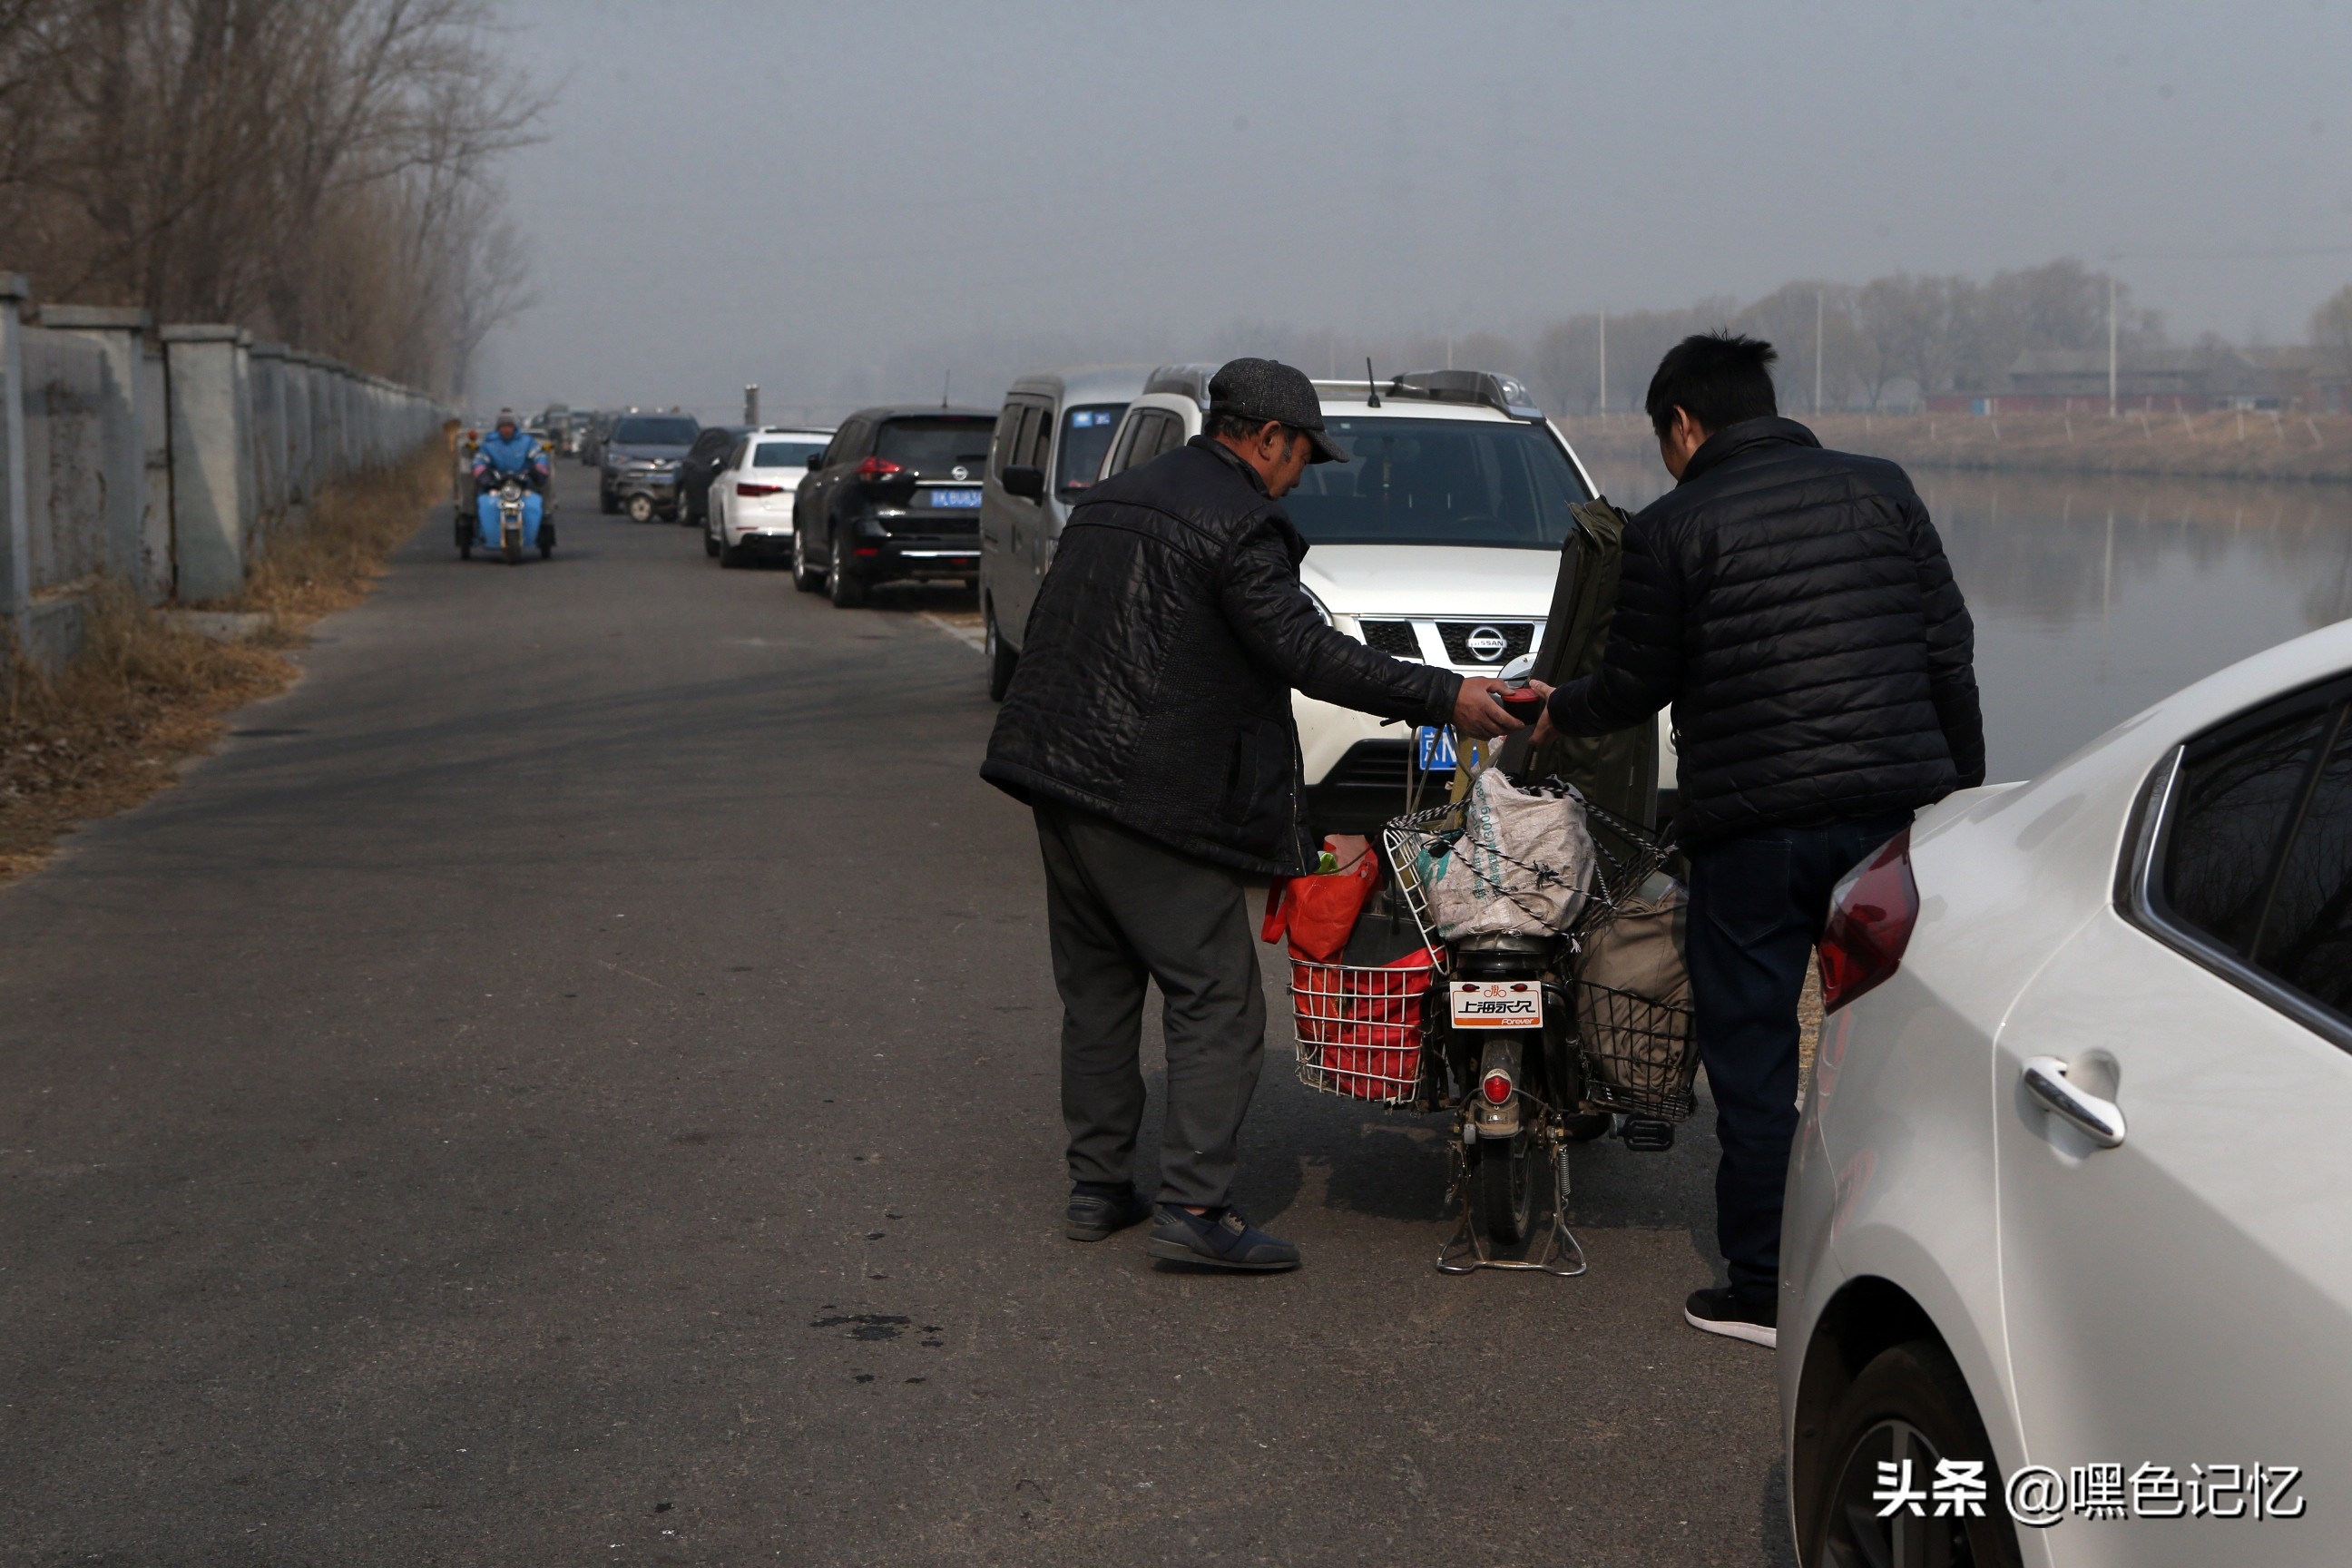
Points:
[(1218, 1240)]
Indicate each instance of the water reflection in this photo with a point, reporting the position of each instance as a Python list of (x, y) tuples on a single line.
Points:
[(2095, 596)]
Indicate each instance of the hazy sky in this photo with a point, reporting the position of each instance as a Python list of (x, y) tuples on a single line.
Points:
[(844, 201)]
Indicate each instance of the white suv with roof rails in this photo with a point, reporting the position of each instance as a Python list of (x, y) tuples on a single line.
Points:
[(1439, 540)]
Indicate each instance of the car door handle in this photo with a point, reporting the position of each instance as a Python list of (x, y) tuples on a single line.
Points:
[(2101, 1121)]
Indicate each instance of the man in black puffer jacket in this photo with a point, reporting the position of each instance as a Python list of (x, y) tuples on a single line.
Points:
[(1795, 606), (1149, 726)]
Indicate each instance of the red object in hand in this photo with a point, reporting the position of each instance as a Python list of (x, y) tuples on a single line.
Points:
[(1526, 707)]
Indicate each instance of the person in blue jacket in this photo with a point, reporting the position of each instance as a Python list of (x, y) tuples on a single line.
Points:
[(508, 450)]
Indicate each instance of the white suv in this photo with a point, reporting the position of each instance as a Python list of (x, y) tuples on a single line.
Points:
[(1439, 540)]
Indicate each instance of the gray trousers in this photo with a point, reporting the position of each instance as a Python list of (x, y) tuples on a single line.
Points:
[(1122, 910)]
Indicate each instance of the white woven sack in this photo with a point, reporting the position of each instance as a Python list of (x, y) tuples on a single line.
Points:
[(1524, 864)]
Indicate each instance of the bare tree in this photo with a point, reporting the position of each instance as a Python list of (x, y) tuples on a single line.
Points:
[(297, 166), (2331, 330)]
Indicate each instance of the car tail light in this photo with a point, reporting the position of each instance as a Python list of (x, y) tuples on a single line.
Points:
[(1872, 912), (1497, 1087), (868, 549), (878, 469), (752, 491)]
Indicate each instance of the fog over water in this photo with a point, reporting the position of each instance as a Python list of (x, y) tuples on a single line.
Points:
[(852, 202), (2095, 596)]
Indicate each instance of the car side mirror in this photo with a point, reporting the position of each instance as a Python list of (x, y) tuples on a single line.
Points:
[(1025, 481), (816, 461)]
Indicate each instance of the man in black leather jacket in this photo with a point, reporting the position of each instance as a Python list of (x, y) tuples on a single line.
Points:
[(1795, 606), (1149, 726)]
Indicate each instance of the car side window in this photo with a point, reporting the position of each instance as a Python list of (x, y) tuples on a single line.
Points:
[(848, 442), (2305, 937), (2231, 809), (1168, 436), (1041, 438), (1121, 454), (2257, 851), (1008, 434), (735, 459)]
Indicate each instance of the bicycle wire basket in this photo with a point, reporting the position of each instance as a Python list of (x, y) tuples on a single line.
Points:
[(1625, 854), (1360, 1027), (1638, 1057), (1638, 1053)]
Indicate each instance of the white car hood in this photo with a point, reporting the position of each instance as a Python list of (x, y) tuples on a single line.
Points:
[(1422, 582)]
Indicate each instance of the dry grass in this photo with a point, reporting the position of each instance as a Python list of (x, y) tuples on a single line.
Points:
[(111, 727)]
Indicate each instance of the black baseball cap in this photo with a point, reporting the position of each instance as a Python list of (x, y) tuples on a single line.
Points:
[(1262, 389)]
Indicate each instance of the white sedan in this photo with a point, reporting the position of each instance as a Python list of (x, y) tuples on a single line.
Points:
[(750, 510), (2072, 1196)]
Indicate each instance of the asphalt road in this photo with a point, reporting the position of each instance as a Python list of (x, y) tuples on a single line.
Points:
[(574, 1082)]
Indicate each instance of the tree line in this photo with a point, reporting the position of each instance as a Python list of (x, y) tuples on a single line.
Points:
[(323, 172), (1895, 337)]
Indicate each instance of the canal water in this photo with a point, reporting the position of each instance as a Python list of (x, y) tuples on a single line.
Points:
[(2095, 596)]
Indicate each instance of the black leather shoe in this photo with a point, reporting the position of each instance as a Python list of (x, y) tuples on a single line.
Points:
[(1094, 1214)]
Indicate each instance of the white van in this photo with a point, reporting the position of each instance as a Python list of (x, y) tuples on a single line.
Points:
[(1049, 447), (1438, 541)]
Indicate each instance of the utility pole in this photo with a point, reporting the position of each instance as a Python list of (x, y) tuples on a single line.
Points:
[(2111, 342), (1818, 309), (1604, 362)]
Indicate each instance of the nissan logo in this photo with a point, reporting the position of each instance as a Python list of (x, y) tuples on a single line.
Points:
[(960, 471), (1486, 645)]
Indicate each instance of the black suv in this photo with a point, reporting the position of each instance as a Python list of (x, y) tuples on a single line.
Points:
[(895, 497), (699, 466), (638, 464)]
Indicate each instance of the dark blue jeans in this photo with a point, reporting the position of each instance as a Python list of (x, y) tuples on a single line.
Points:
[(1758, 903)]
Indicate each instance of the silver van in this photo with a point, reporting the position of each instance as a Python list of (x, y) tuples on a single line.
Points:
[(1050, 442)]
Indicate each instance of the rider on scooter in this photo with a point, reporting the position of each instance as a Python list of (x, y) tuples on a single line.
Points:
[(508, 450)]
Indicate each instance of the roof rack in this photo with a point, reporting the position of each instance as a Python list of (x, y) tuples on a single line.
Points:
[(1505, 394), (1185, 379)]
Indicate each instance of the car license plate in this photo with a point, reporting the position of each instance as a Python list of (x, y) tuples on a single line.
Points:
[(955, 498), (1436, 748), (1497, 1005)]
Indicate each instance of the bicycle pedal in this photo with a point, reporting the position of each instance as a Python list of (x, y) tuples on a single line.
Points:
[(1648, 1137)]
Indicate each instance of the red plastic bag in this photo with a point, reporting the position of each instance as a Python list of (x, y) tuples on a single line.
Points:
[(1372, 1050), (1317, 912)]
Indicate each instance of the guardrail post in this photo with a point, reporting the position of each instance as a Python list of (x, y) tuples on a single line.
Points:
[(212, 459), (118, 334)]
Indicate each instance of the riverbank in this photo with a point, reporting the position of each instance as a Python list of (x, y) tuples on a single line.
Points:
[(2223, 445)]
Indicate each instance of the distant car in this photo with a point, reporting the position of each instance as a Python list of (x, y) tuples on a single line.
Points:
[(556, 421), (2072, 1185), (1438, 541), (638, 463), (591, 436), (894, 496), (750, 510), (701, 462), (1050, 439)]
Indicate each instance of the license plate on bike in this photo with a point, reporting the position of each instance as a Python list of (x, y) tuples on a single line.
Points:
[(1498, 1004), (1435, 747)]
